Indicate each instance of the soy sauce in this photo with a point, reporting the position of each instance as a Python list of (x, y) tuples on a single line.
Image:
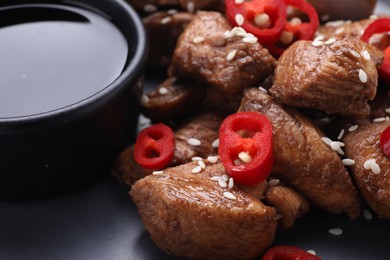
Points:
[(53, 56)]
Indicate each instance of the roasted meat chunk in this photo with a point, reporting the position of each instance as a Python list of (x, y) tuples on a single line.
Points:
[(163, 30), (302, 159), (371, 167), (289, 204), (193, 216), (173, 99), (337, 77), (210, 51)]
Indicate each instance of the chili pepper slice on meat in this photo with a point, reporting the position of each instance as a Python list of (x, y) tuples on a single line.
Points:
[(380, 25), (264, 19), (154, 147), (245, 147), (288, 253), (295, 31)]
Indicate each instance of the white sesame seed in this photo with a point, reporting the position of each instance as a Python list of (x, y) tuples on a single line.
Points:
[(229, 195), (339, 31), (367, 214), (348, 162), (335, 146), (366, 55), (319, 38), (215, 143), (327, 140), (340, 151), (212, 159), (145, 99), (231, 55), (341, 134), (367, 164), (362, 76), (330, 41), (198, 39), (196, 158), (225, 177), (172, 11), (222, 183), (375, 168), (353, 128), (202, 164), (239, 18), (335, 23), (312, 252), (387, 110), (373, 17), (245, 157), (262, 20), (194, 142), (379, 120), (215, 178), (196, 169), (163, 91), (251, 40), (336, 231), (166, 20), (273, 182), (231, 183), (263, 89), (239, 1), (317, 43), (157, 172), (190, 7), (149, 8), (355, 53)]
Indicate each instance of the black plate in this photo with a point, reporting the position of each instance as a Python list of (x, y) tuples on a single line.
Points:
[(101, 222)]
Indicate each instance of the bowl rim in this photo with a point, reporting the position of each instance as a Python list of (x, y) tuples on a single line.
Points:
[(128, 77)]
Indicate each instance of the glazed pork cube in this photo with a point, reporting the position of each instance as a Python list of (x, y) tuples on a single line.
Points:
[(212, 52), (303, 160), (369, 165), (338, 76), (194, 216)]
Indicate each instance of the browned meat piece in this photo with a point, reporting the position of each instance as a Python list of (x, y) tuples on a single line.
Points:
[(361, 146), (302, 159), (334, 77), (172, 99), (203, 128), (230, 61), (216, 100), (288, 203), (163, 30), (211, 5), (188, 215)]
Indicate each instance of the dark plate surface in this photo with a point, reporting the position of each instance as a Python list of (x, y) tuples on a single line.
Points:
[(101, 222)]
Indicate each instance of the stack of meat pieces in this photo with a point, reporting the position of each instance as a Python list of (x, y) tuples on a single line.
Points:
[(216, 70)]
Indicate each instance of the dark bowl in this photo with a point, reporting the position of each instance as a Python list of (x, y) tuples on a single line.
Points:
[(55, 151)]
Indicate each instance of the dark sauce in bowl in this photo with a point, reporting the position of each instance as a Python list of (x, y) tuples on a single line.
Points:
[(52, 56)]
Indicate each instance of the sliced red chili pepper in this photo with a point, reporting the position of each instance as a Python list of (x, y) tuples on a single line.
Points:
[(301, 31), (288, 253), (384, 141), (275, 11), (245, 147), (154, 147), (380, 25)]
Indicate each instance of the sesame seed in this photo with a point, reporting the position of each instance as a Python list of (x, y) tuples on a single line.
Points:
[(231, 183), (229, 195), (145, 99), (335, 146), (353, 128), (222, 183), (163, 91), (172, 11), (198, 39), (273, 182), (239, 1), (375, 168), (239, 18), (367, 164), (212, 159), (215, 178), (262, 20), (245, 157), (317, 43), (373, 17), (319, 38), (379, 120), (367, 214), (202, 164), (149, 8), (387, 110), (190, 7), (362, 76), (196, 158), (249, 40), (196, 169), (341, 134), (166, 20), (194, 142), (340, 151), (335, 23), (263, 89), (286, 37), (312, 252), (231, 55), (366, 55), (327, 140), (157, 172), (355, 53), (336, 231), (330, 41), (348, 162), (339, 31), (295, 21), (215, 143), (225, 177)]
